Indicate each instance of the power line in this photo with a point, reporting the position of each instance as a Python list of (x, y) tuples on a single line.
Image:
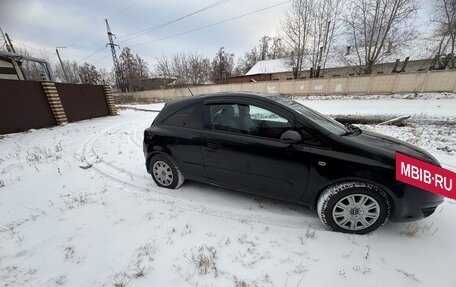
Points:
[(102, 22), (145, 31), (213, 24), (125, 9), (148, 30), (30, 47), (100, 59), (86, 34), (93, 54)]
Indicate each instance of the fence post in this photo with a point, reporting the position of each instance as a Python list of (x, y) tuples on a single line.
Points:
[(454, 88), (54, 102), (369, 85), (425, 82), (293, 88), (328, 83), (395, 84), (110, 100)]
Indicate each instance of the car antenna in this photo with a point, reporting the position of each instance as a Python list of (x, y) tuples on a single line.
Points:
[(190, 91)]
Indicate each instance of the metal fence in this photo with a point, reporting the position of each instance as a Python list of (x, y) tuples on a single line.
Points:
[(82, 102), (23, 106), (28, 105)]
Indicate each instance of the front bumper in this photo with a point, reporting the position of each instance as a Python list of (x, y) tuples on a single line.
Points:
[(412, 203)]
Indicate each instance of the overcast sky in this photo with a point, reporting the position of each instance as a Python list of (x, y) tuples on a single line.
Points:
[(42, 25)]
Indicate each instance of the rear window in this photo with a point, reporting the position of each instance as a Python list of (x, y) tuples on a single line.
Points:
[(188, 117)]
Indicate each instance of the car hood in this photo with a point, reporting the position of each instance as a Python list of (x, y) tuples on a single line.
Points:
[(391, 145)]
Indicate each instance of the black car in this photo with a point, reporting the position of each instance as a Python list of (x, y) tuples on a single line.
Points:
[(275, 147)]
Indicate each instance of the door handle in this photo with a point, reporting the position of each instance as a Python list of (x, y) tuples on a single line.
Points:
[(214, 145)]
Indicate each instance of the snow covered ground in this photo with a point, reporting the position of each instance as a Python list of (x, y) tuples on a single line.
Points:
[(427, 106), (77, 208)]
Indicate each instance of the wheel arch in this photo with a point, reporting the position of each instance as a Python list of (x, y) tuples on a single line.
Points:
[(155, 152), (388, 192)]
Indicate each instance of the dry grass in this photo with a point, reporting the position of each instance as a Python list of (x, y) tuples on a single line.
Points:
[(411, 231), (416, 230), (309, 235), (121, 280), (203, 258), (69, 252)]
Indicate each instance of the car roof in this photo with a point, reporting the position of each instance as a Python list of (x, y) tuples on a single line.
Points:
[(203, 97), (180, 103)]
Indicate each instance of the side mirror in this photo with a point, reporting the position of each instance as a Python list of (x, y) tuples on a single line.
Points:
[(290, 137)]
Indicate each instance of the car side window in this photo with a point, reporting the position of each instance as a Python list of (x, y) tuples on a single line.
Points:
[(189, 117), (260, 114), (247, 119)]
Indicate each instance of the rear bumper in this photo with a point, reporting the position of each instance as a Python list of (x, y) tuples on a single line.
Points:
[(146, 156), (413, 203)]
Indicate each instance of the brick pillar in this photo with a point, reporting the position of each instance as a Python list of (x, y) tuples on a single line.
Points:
[(55, 103), (110, 100)]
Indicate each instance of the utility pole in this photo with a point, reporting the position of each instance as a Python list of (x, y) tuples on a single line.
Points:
[(16, 63), (10, 43), (8, 48), (61, 63), (118, 71)]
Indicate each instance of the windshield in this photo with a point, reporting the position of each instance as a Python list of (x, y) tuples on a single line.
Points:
[(320, 119)]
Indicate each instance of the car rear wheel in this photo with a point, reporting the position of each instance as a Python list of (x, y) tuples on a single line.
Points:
[(353, 207), (165, 172)]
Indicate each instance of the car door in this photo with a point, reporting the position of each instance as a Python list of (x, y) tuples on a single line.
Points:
[(248, 154), (180, 133)]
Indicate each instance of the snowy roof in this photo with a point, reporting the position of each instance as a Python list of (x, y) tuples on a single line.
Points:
[(271, 66), (418, 49)]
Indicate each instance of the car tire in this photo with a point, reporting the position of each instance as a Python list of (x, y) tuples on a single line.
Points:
[(353, 207), (165, 172)]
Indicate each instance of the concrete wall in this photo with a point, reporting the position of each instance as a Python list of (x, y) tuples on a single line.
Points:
[(433, 81)]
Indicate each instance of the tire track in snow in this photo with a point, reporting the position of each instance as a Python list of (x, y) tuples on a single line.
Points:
[(143, 185)]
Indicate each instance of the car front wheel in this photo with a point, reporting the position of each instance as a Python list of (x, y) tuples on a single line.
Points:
[(165, 172), (353, 207)]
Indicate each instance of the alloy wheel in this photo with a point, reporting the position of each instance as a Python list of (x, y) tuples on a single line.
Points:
[(162, 173), (356, 212)]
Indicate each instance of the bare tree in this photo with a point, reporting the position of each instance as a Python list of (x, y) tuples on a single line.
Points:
[(295, 29), (142, 68), (106, 77), (376, 27), (71, 69), (246, 62), (186, 69), (222, 64), (267, 48), (326, 18), (89, 74), (446, 29), (163, 67), (264, 47), (277, 49), (32, 70), (199, 69), (134, 70), (179, 68)]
